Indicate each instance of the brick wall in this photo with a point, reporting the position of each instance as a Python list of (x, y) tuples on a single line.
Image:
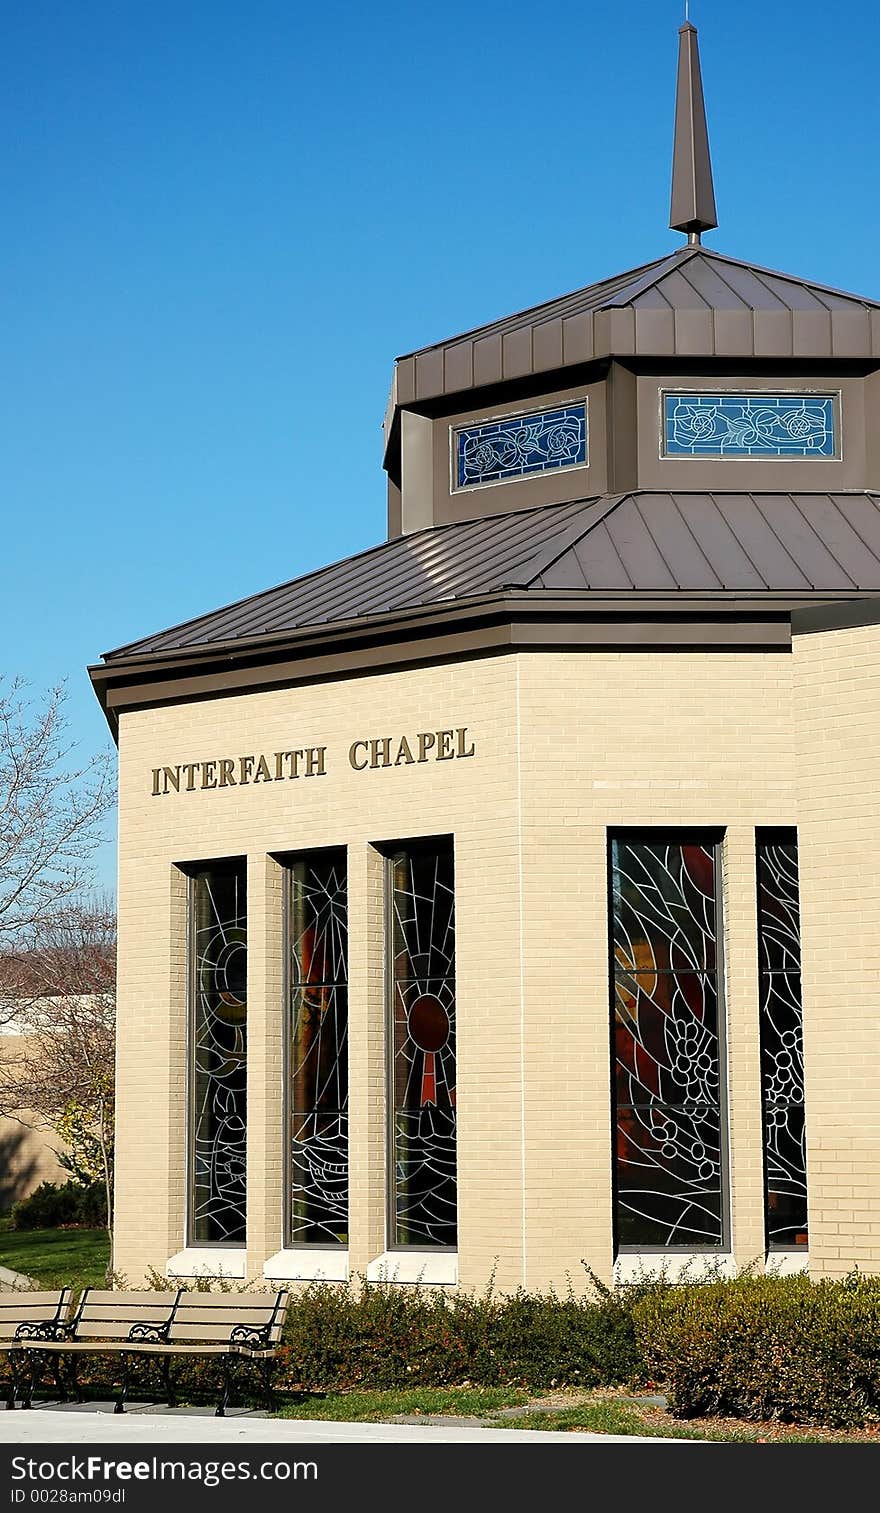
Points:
[(567, 744)]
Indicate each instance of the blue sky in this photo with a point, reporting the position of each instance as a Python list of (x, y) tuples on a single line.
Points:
[(224, 220)]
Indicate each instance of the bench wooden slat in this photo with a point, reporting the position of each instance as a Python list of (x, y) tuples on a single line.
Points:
[(25, 1310), (122, 1301), (233, 1302)]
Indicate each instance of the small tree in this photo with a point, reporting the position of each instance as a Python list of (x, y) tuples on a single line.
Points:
[(61, 1068), (52, 810)]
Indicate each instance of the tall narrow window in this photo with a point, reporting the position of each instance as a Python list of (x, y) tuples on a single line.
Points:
[(423, 1124), (218, 1054), (318, 1060), (782, 1046), (668, 1103)]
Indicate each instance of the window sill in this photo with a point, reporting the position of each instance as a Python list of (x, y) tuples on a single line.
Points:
[(208, 1262), (787, 1263), (307, 1266), (696, 1265), (430, 1267)]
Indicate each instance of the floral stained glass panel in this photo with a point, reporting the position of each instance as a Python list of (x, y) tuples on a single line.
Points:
[(218, 1072), (319, 1049), (749, 425), (782, 1046), (517, 446), (668, 1171), (424, 1176)]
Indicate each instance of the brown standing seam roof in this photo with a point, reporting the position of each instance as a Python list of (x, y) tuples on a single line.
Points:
[(640, 542), (691, 278), (694, 302)]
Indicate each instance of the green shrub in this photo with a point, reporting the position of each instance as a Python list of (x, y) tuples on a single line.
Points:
[(384, 1336), (49, 1207), (766, 1347)]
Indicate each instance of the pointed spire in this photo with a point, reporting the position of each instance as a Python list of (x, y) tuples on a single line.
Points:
[(693, 197)]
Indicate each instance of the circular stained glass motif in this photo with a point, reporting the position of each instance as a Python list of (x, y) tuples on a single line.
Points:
[(428, 1023)]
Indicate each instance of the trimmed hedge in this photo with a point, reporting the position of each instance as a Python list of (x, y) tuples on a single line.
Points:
[(766, 1347), (381, 1337)]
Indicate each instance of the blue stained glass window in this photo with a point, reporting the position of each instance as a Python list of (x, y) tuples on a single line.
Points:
[(749, 425), (516, 446)]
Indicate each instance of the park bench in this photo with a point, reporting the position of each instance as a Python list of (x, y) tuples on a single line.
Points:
[(228, 1327), (30, 1316)]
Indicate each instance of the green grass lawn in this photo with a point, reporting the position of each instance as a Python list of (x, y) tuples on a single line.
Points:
[(358, 1407), (56, 1257), (598, 1414)]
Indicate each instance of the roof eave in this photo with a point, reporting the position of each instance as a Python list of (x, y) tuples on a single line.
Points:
[(545, 618)]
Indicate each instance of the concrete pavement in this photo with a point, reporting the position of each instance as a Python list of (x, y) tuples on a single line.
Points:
[(56, 1423)]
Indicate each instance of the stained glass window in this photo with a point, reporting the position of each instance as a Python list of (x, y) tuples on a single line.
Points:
[(749, 425), (218, 1067), (422, 943), (668, 1109), (782, 1047), (516, 446), (318, 936)]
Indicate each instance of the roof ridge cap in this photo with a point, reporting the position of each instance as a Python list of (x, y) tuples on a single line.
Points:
[(543, 304), (788, 278), (577, 531), (640, 286)]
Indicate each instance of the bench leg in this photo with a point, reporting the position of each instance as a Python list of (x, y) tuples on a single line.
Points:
[(267, 1369), (122, 1394), (225, 1386), (72, 1382), (57, 1365), (13, 1392), (169, 1382), (30, 1377)]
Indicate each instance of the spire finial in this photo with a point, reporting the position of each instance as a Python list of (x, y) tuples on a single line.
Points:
[(693, 198)]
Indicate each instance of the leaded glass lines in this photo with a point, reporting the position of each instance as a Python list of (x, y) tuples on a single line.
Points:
[(668, 1146), (218, 1065), (518, 446), (422, 984), (318, 964), (782, 1050), (749, 425)]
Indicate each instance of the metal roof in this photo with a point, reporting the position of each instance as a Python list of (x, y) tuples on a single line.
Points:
[(695, 302), (641, 542)]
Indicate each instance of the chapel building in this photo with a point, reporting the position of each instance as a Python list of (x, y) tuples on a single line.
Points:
[(500, 901)]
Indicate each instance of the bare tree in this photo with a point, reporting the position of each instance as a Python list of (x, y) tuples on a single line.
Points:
[(52, 808), (60, 1066)]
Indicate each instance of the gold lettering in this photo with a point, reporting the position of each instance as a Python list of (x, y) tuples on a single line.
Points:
[(427, 742), (171, 776), (445, 752), (157, 773), (383, 745), (461, 743), (226, 766), (245, 765), (358, 766), (209, 775), (279, 764), (403, 752), (315, 761), (190, 768), (262, 774)]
